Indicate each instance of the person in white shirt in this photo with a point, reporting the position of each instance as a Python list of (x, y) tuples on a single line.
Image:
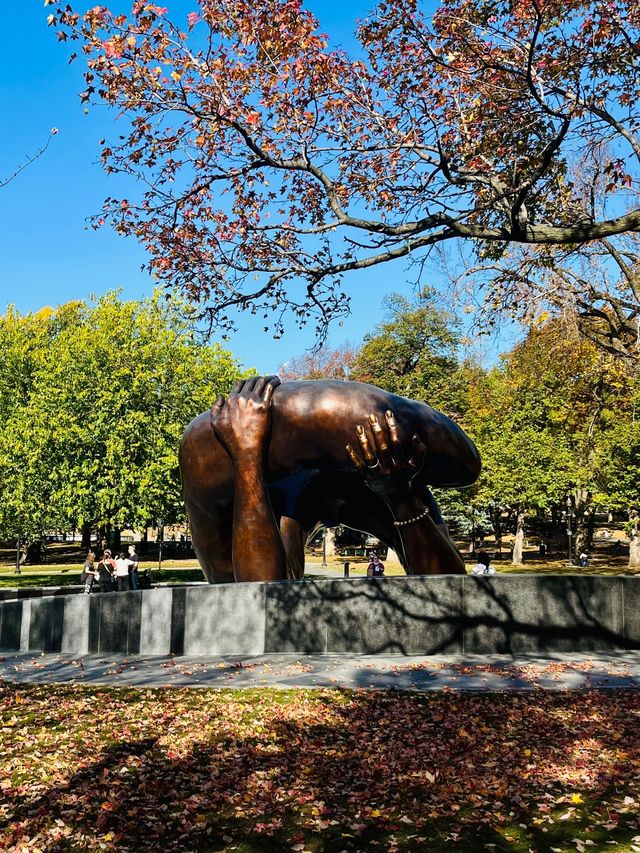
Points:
[(483, 566), (123, 565)]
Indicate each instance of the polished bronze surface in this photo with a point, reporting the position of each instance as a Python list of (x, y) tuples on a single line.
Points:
[(274, 461)]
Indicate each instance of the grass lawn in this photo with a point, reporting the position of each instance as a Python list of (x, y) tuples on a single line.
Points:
[(176, 571), (33, 576), (118, 769), (534, 565), (64, 564)]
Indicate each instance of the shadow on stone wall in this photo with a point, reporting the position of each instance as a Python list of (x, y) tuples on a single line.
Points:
[(404, 615), (451, 615)]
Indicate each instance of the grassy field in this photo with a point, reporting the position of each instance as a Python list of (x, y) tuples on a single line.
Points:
[(181, 571), (64, 564), (601, 565), (65, 576), (118, 769)]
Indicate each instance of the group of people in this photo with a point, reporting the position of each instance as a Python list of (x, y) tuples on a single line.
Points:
[(375, 569), (111, 573)]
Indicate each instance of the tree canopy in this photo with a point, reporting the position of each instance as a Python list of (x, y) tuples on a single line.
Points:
[(93, 402), (270, 164), (320, 363), (555, 420), (414, 353)]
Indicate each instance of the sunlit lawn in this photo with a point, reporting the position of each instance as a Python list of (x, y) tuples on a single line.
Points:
[(85, 769), (175, 571), (605, 560), (35, 576), (534, 565)]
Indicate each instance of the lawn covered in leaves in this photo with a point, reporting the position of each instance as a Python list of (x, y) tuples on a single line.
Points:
[(259, 770)]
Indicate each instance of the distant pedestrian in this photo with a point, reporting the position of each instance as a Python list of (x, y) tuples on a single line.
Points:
[(134, 563), (375, 569), (483, 566), (583, 560), (88, 572)]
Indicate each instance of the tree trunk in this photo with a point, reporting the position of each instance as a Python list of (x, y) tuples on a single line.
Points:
[(144, 541), (557, 533), (583, 510), (115, 537), (86, 535), (590, 528), (496, 521), (472, 541), (518, 544), (330, 542), (634, 543)]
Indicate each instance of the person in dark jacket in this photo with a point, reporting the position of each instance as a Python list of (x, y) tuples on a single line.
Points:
[(106, 568)]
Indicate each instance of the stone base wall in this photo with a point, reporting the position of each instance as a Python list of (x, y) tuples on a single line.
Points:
[(419, 615)]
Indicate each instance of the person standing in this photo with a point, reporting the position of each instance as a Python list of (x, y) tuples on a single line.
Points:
[(375, 569), (106, 569), (88, 572), (122, 572), (134, 563)]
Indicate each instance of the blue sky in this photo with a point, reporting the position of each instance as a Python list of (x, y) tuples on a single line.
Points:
[(47, 253)]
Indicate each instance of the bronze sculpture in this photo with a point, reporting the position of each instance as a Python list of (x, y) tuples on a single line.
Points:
[(268, 465)]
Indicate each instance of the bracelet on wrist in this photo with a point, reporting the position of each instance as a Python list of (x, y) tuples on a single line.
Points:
[(413, 520)]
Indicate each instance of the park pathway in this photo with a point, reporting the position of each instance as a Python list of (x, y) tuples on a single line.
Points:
[(469, 673)]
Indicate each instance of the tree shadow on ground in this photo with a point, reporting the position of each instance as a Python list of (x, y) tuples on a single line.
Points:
[(331, 771)]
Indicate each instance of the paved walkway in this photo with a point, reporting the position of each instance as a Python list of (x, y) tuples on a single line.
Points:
[(473, 673)]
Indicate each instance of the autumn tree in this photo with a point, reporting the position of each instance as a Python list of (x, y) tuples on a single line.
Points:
[(321, 363), (267, 164), (597, 283), (546, 424), (91, 429)]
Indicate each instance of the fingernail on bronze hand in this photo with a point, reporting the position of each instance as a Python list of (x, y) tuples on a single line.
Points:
[(353, 457), (368, 454)]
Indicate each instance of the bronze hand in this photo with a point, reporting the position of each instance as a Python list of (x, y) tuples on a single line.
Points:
[(242, 421), (382, 461)]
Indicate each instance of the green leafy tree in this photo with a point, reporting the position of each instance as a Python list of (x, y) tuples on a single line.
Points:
[(542, 421), (108, 389), (414, 353), (23, 508), (619, 467)]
